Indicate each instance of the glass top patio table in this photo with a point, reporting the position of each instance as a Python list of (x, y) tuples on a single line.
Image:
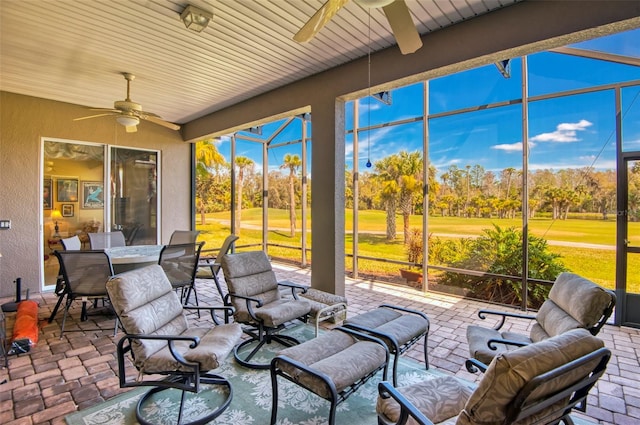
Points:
[(126, 258)]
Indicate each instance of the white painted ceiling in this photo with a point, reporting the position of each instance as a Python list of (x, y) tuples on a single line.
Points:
[(75, 50)]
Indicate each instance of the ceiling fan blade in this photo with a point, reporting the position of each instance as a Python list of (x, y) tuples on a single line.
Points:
[(160, 121), (131, 128), (318, 20), (403, 27), (104, 110), (94, 116)]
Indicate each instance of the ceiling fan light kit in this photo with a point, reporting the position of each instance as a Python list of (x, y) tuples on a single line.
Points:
[(129, 113), (128, 120), (195, 19), (374, 4)]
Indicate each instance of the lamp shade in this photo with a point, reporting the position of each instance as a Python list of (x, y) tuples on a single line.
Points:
[(56, 214), (128, 120)]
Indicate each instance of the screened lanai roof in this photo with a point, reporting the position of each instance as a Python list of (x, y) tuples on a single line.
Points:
[(75, 51)]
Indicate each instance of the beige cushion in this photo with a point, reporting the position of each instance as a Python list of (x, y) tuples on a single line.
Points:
[(510, 371), (580, 298), (403, 327), (478, 337), (440, 399), (344, 359)]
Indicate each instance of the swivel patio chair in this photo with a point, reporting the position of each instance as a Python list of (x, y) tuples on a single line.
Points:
[(574, 302), (85, 274), (535, 384), (103, 240), (160, 342), (212, 265), (183, 236), (255, 294), (180, 263)]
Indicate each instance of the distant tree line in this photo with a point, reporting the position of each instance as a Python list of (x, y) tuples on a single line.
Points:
[(395, 186)]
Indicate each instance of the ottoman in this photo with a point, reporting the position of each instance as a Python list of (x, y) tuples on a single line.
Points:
[(398, 327), (333, 366)]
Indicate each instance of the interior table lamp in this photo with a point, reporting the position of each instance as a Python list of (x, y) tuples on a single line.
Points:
[(55, 215)]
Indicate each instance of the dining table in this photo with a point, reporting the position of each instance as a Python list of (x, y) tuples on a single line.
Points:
[(125, 258)]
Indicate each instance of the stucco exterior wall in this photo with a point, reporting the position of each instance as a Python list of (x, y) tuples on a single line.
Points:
[(24, 121)]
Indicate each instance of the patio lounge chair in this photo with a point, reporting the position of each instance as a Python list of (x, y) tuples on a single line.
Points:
[(255, 294), (160, 342), (536, 384), (574, 302)]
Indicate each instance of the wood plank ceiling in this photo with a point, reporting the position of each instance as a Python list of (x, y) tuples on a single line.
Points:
[(75, 51)]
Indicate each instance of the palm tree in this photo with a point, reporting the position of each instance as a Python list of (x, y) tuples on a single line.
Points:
[(388, 174), (410, 183), (292, 162), (207, 158), (243, 163)]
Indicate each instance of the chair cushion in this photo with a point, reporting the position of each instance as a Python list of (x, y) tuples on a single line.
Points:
[(280, 311), (582, 299), (215, 345), (511, 370), (439, 399), (402, 327), (344, 359), (553, 320)]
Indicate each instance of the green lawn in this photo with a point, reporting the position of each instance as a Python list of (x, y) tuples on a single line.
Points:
[(597, 264)]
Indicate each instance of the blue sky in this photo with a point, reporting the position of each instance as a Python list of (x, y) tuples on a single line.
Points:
[(569, 132)]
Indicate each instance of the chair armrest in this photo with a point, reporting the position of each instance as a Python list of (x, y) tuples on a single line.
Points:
[(504, 314), (228, 311), (293, 287), (386, 390), (474, 365), (249, 300), (492, 343), (195, 341), (406, 310)]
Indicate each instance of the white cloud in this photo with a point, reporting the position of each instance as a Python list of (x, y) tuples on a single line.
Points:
[(509, 147), (565, 132)]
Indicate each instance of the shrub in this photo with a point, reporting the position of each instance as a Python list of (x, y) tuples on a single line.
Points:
[(499, 251)]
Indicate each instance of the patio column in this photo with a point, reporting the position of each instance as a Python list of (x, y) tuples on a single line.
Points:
[(327, 196)]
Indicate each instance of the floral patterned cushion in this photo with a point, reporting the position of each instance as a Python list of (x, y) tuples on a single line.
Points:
[(440, 399), (338, 355)]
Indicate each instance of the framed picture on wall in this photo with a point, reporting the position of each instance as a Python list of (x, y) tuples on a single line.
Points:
[(67, 210), (67, 190), (47, 195), (92, 195)]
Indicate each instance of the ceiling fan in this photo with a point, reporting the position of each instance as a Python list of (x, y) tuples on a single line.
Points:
[(396, 11), (129, 113)]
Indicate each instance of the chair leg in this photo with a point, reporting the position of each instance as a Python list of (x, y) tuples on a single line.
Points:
[(55, 309), (64, 317)]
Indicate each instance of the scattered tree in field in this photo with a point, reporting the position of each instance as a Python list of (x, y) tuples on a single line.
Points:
[(292, 162), (243, 163)]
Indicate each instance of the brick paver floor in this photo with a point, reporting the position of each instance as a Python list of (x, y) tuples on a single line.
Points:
[(60, 376)]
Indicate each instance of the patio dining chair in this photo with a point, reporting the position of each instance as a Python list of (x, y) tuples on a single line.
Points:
[(183, 236), (69, 244), (209, 266), (85, 274), (180, 263), (573, 302), (103, 240)]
